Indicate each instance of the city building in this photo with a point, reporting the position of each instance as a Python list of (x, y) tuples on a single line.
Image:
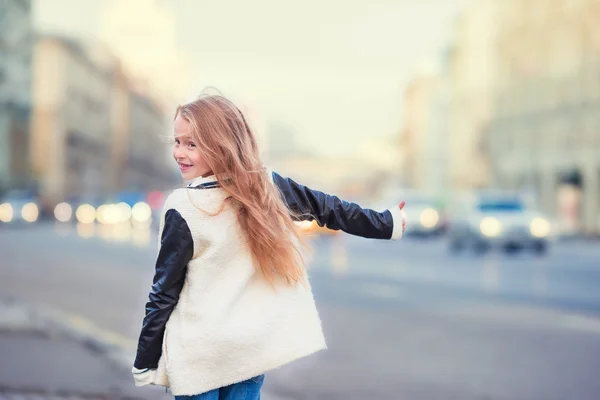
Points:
[(149, 164), (16, 44), (472, 72), (71, 119), (426, 135), (437, 176), (93, 133), (416, 161), (545, 133), (447, 109)]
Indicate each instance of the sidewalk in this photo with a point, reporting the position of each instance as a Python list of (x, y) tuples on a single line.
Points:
[(44, 357), (42, 360)]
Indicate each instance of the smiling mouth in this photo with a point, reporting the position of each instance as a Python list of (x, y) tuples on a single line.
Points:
[(184, 167)]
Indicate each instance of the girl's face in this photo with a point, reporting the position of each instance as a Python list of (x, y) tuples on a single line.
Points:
[(186, 153)]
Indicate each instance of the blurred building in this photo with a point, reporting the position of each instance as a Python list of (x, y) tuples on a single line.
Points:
[(16, 41), (414, 139), (438, 174), (447, 111), (426, 135), (71, 141), (545, 133), (471, 69), (88, 124), (149, 165)]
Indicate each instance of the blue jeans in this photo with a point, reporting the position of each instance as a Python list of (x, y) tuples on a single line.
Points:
[(246, 390)]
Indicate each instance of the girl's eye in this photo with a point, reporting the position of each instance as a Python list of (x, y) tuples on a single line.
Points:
[(192, 145), (176, 141)]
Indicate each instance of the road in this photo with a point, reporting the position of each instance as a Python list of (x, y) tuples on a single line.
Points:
[(403, 320)]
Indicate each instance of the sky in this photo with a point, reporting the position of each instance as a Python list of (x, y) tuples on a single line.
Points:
[(334, 70)]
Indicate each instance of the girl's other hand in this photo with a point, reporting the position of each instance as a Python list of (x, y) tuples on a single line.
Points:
[(401, 206)]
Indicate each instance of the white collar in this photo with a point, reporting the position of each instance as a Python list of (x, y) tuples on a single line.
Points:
[(200, 180)]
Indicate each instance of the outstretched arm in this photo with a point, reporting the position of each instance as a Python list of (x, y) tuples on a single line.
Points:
[(338, 214)]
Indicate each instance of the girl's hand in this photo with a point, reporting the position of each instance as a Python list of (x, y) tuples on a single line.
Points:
[(403, 213)]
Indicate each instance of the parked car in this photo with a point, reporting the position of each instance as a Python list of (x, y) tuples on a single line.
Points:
[(498, 220)]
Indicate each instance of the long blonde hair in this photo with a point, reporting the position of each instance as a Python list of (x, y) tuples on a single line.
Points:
[(230, 149)]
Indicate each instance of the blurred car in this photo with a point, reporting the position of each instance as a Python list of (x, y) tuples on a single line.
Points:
[(19, 206), (425, 216), (498, 220)]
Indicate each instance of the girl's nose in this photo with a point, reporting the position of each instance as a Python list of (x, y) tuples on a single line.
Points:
[(178, 154)]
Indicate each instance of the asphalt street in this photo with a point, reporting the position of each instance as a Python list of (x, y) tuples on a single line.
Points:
[(403, 320)]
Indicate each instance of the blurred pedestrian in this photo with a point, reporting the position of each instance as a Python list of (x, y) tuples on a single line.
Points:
[(230, 298)]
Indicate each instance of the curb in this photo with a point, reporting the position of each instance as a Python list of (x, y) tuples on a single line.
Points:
[(18, 317), (20, 320)]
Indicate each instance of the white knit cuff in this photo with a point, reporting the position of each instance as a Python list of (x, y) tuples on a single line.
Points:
[(143, 377), (398, 217)]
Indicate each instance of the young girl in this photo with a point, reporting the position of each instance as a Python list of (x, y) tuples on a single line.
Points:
[(230, 298)]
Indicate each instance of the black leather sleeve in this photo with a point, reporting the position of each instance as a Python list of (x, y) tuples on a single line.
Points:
[(334, 213), (176, 250)]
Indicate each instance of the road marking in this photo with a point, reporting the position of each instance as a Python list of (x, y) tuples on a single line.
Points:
[(84, 327)]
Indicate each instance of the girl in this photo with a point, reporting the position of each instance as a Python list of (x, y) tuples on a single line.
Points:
[(230, 298)]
